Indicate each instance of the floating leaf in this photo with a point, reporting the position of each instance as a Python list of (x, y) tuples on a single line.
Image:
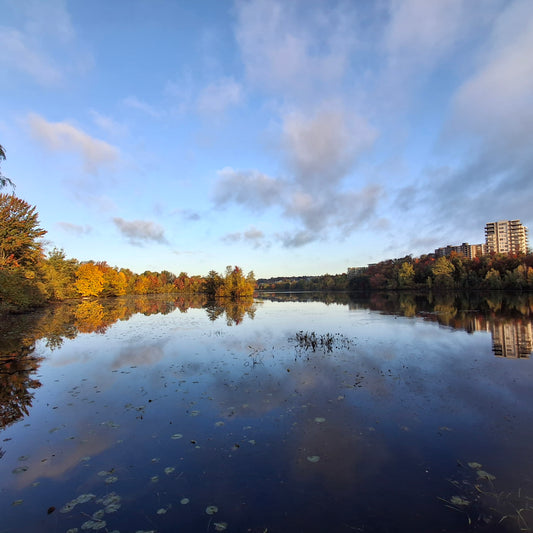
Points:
[(177, 436), (219, 424), (98, 515), (111, 479), (195, 413), (475, 466), (457, 500), (313, 458), (211, 509), (169, 470), (84, 498), (184, 501), (319, 420), (161, 511), (220, 526), (154, 479), (23, 458), (485, 475), (20, 469), (17, 502), (252, 442)]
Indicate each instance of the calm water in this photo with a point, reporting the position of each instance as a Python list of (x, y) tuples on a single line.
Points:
[(292, 413)]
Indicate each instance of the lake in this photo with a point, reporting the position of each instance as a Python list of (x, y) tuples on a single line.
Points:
[(289, 413)]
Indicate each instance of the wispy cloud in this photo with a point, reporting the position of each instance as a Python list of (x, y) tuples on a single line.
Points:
[(252, 189), (64, 137), (252, 237), (46, 48), (74, 229), (139, 232), (290, 49), (135, 103), (220, 95), (107, 124), (323, 147)]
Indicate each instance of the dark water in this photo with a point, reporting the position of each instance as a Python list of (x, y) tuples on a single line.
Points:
[(292, 413)]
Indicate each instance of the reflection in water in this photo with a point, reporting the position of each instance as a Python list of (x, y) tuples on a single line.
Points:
[(512, 339), (508, 317), (18, 335), (385, 426)]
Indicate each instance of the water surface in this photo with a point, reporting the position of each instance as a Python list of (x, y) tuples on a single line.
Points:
[(289, 413)]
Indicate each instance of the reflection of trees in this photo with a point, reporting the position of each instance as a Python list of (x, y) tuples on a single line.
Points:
[(53, 324), (15, 384), (235, 310)]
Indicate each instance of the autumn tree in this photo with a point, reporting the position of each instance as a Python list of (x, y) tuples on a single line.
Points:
[(89, 280), (406, 275), (235, 285)]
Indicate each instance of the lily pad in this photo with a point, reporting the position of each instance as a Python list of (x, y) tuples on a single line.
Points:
[(457, 500), (485, 475)]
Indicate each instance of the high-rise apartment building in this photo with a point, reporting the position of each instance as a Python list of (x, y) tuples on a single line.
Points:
[(506, 237)]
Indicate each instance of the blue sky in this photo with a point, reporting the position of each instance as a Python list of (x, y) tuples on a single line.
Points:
[(291, 138)]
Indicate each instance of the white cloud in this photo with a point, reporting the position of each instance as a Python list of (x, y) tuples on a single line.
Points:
[(497, 100), (18, 54), (138, 232), (253, 237), (220, 95), (290, 48), (253, 189), (61, 136), (420, 32), (322, 148), (74, 229), (45, 46)]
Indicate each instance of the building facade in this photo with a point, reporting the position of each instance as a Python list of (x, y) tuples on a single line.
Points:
[(506, 237)]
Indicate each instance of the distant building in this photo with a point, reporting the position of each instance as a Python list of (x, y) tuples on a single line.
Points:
[(465, 249), (506, 237)]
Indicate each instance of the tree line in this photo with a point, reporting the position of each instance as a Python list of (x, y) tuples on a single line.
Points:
[(456, 272), (29, 277)]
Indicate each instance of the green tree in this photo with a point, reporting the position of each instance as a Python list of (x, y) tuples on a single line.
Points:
[(20, 234), (60, 275), (442, 271)]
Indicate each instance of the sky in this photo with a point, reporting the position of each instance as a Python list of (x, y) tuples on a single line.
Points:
[(285, 137)]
